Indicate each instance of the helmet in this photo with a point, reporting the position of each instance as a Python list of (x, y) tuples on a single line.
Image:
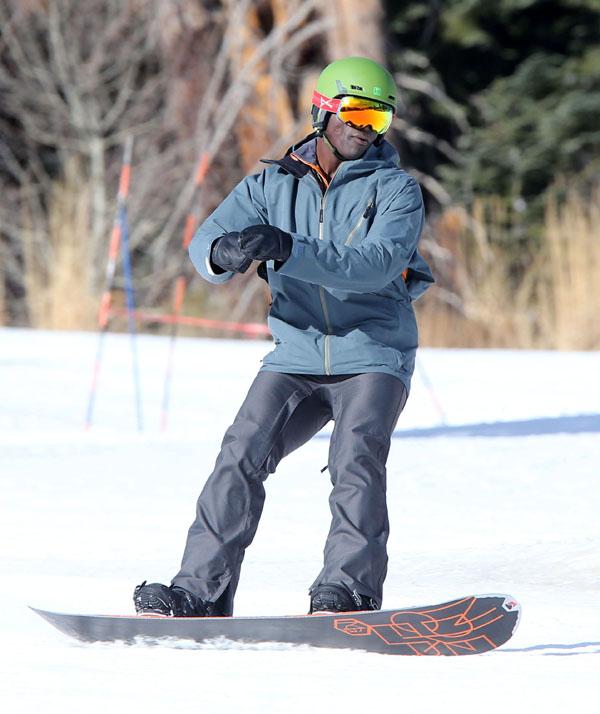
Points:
[(358, 76)]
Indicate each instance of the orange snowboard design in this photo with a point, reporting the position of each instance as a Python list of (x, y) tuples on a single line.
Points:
[(458, 627)]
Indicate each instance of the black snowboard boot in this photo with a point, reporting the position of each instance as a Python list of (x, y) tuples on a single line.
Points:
[(329, 598), (169, 601)]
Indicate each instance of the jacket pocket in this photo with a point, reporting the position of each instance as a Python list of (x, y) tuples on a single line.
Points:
[(366, 214)]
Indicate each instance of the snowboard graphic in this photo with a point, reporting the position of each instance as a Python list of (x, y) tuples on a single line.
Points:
[(468, 625)]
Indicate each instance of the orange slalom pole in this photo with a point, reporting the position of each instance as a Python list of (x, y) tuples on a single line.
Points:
[(113, 254)]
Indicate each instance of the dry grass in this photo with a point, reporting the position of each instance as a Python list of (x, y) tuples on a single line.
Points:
[(568, 299), (58, 265), (548, 298)]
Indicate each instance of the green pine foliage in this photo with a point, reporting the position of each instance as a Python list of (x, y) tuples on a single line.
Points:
[(536, 124), (514, 93)]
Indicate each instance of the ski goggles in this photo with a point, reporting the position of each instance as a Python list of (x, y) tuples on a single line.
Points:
[(357, 111)]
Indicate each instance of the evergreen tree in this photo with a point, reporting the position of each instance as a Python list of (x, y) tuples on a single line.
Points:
[(511, 92)]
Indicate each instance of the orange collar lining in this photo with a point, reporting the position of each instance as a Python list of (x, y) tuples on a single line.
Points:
[(315, 168)]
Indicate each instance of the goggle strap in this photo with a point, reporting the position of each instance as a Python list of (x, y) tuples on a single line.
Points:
[(325, 103)]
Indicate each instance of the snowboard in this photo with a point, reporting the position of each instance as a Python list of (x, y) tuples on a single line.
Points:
[(465, 626)]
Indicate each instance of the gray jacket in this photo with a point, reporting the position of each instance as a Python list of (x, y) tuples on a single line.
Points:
[(342, 302)]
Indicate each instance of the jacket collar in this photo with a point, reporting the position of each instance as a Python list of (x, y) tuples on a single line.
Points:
[(376, 156), (293, 166)]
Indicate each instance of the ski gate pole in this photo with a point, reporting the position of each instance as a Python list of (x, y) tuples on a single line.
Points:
[(106, 299), (130, 300)]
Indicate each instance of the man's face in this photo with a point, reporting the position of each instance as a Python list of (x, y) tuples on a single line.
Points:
[(349, 141)]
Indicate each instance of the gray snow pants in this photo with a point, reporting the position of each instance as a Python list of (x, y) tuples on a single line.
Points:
[(280, 413)]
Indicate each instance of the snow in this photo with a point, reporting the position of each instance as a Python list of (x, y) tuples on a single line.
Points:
[(493, 487)]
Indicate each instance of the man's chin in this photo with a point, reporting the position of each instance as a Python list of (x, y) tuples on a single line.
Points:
[(354, 151)]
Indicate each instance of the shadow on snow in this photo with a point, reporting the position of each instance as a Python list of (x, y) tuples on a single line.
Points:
[(563, 650), (579, 424)]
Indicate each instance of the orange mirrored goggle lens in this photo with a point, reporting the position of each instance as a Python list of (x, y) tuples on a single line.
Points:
[(361, 113)]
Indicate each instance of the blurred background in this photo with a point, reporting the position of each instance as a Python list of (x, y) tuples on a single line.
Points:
[(498, 120)]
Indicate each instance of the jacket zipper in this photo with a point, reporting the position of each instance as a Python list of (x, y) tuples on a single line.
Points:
[(327, 345), (361, 220)]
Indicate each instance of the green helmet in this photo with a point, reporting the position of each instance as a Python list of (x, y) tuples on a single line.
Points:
[(358, 76)]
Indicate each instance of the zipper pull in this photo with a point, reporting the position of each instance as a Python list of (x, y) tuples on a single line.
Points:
[(321, 225)]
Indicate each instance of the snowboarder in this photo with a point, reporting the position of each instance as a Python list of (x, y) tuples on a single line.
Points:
[(335, 225)]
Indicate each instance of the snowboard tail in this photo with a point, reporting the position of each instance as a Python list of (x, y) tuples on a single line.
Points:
[(470, 625)]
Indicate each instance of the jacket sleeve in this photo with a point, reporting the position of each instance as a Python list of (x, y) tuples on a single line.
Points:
[(380, 258), (244, 206)]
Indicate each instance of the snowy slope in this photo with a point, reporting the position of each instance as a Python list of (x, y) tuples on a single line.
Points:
[(500, 493)]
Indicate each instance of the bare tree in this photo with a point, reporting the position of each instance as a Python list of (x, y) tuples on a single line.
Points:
[(78, 76)]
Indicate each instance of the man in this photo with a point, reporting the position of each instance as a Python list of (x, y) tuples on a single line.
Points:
[(335, 225)]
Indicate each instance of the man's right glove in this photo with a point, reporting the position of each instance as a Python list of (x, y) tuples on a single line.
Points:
[(226, 255)]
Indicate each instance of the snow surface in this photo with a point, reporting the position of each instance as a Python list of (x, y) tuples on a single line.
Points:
[(494, 480)]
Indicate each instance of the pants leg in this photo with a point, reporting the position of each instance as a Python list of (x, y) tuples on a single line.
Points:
[(365, 409), (279, 414)]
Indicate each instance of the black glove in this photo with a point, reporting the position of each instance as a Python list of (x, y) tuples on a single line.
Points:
[(266, 242), (226, 255)]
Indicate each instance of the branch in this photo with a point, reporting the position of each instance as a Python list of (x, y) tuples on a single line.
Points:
[(60, 61), (423, 137), (434, 187), (423, 86), (237, 93)]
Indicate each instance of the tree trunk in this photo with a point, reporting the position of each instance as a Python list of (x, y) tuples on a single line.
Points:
[(98, 194), (268, 113), (357, 29)]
